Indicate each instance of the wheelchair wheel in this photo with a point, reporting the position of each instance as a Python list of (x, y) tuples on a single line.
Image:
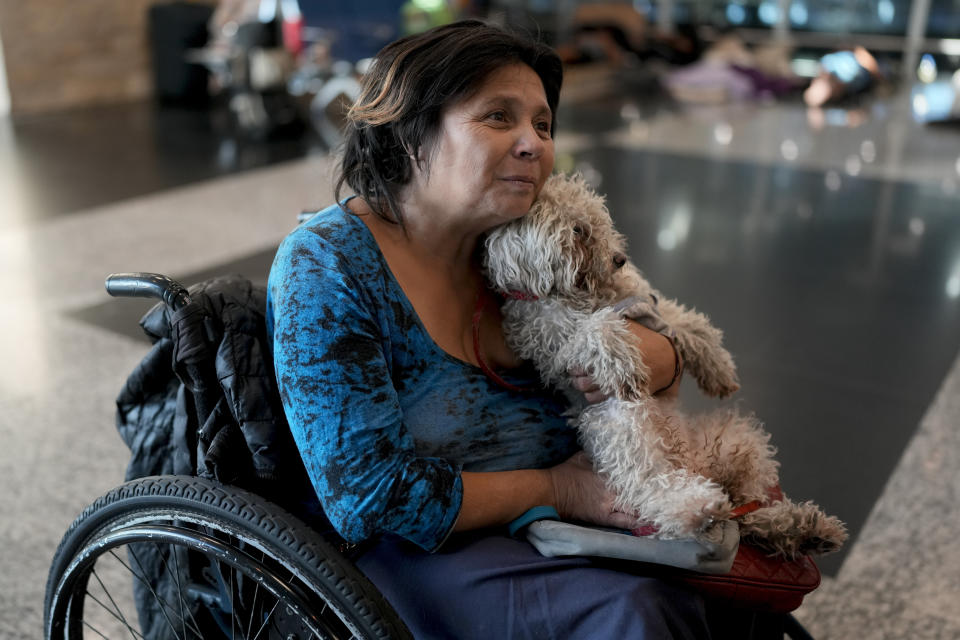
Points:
[(182, 557)]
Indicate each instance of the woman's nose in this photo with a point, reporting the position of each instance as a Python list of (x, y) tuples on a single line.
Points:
[(529, 144)]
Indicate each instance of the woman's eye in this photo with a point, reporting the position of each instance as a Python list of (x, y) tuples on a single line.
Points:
[(543, 127), (499, 116)]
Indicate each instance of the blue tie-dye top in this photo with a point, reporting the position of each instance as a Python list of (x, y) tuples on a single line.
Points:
[(384, 419)]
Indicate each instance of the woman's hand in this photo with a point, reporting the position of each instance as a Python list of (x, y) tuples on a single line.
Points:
[(658, 354), (584, 382), (580, 494)]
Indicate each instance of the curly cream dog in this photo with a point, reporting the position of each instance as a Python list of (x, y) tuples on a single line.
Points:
[(568, 285)]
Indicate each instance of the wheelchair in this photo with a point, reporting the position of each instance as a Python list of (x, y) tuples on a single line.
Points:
[(204, 550), (183, 556)]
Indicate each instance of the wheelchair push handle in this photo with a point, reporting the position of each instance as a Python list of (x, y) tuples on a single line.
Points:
[(148, 285)]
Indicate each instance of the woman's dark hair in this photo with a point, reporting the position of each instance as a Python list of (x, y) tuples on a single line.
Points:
[(405, 91)]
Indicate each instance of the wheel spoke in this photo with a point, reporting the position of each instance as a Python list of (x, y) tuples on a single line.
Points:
[(176, 580), (133, 632), (253, 606), (89, 626), (233, 607), (227, 589), (106, 591), (195, 626), (164, 605), (267, 619)]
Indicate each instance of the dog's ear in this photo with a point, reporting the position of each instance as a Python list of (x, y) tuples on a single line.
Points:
[(579, 240), (518, 259), (589, 277), (592, 270)]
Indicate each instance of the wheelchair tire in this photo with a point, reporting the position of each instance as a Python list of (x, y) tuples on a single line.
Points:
[(231, 557)]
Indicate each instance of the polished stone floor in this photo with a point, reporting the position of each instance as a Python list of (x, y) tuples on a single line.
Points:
[(826, 244)]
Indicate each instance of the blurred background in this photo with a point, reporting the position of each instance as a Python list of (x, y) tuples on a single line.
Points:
[(789, 167)]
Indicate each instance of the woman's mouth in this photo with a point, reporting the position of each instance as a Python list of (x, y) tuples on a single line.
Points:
[(523, 182)]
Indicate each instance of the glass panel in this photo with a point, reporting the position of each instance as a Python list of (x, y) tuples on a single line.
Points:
[(888, 17), (944, 19), (754, 14)]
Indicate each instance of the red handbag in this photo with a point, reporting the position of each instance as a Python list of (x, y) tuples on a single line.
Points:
[(758, 581)]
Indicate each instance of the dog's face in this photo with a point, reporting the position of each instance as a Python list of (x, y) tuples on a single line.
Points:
[(565, 246)]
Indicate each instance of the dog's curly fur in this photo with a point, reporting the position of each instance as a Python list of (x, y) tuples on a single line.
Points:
[(681, 473)]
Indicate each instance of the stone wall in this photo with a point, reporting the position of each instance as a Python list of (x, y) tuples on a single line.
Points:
[(69, 53)]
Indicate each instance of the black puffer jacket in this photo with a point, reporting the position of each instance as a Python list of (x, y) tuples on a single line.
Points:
[(204, 402)]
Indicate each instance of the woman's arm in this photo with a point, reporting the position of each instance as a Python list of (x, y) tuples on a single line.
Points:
[(497, 497), (658, 354), (572, 487), (339, 398)]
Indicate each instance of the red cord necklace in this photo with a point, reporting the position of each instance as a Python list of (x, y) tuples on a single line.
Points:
[(487, 370)]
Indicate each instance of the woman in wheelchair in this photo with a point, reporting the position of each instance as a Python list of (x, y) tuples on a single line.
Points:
[(422, 433)]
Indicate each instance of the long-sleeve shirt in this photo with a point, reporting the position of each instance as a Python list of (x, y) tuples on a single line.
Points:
[(384, 419)]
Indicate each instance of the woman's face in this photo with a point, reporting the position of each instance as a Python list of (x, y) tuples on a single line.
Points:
[(493, 152)]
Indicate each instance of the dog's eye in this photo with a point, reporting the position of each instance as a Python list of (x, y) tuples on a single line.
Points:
[(578, 230)]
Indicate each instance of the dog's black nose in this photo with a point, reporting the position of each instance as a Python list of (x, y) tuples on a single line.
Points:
[(619, 260)]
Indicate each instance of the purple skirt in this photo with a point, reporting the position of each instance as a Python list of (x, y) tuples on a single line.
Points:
[(487, 586)]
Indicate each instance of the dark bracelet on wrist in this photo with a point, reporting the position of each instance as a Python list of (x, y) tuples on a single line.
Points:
[(677, 366)]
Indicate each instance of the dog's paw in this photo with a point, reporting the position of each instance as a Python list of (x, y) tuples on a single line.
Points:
[(713, 534), (719, 509), (792, 530), (716, 374), (707, 515), (827, 535), (720, 390), (686, 506)]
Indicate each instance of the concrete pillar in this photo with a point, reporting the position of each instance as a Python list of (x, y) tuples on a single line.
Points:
[(781, 30), (665, 15), (916, 31), (4, 91)]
